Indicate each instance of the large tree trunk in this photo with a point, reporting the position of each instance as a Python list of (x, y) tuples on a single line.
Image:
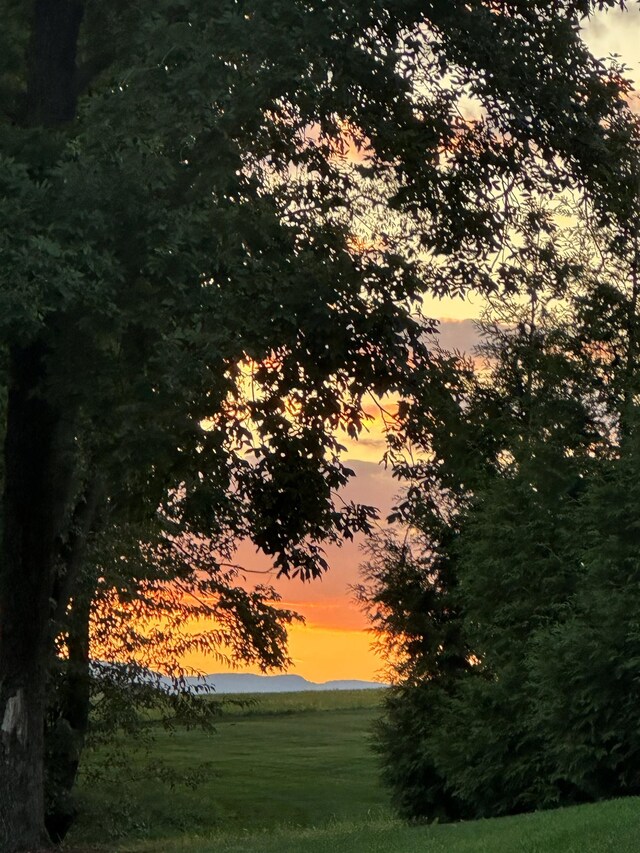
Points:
[(38, 471), (36, 487), (68, 725), (52, 84)]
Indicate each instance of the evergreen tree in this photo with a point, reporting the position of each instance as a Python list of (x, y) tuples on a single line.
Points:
[(519, 444)]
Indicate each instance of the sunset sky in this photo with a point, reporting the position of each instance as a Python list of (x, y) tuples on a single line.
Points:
[(334, 642)]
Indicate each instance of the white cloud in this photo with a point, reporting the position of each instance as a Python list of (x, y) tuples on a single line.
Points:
[(616, 31)]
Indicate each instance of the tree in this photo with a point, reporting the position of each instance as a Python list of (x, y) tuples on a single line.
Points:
[(189, 306), (582, 666), (141, 603), (409, 591), (539, 448), (487, 502), (498, 471)]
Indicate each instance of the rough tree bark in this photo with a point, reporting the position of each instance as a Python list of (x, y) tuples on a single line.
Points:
[(37, 478), (66, 733), (38, 474), (68, 711)]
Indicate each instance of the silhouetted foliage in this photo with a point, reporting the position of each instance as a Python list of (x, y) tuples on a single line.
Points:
[(543, 537), (199, 287)]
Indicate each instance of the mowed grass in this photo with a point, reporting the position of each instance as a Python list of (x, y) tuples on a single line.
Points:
[(259, 704), (612, 827), (294, 773), (276, 760)]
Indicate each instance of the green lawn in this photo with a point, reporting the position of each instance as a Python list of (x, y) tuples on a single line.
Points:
[(289, 759), (612, 827), (295, 774)]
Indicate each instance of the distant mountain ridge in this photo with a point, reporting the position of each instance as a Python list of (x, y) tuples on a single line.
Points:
[(240, 682)]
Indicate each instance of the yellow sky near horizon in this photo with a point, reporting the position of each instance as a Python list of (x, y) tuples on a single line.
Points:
[(319, 654)]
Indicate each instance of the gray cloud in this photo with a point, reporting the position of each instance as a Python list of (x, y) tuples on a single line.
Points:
[(459, 335)]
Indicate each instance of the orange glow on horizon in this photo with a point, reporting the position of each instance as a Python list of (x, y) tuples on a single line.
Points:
[(317, 654), (324, 654)]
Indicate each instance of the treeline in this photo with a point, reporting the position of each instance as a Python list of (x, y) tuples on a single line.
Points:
[(508, 604)]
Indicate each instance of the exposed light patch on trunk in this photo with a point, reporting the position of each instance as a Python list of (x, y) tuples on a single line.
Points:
[(14, 722)]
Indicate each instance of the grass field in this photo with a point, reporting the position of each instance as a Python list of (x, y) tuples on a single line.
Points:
[(297, 703), (612, 827), (294, 773), (298, 759)]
